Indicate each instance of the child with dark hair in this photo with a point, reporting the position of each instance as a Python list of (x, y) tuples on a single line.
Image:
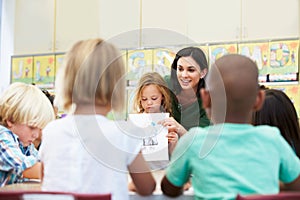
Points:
[(278, 110)]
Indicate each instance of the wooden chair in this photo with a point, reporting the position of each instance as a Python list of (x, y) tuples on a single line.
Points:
[(44, 195), (280, 196)]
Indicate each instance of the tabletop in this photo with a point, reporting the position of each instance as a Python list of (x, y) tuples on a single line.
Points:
[(157, 194)]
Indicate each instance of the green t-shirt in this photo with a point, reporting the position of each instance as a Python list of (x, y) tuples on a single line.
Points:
[(229, 159)]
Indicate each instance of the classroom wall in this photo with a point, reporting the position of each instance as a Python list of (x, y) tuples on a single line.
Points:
[(34, 26)]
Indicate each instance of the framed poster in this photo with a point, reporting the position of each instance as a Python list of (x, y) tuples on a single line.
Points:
[(283, 61), (44, 71), (22, 69)]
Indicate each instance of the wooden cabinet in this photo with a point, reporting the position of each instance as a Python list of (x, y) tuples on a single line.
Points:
[(75, 20), (33, 26), (150, 23), (238, 20), (120, 22), (213, 20), (164, 23), (39, 23), (270, 19)]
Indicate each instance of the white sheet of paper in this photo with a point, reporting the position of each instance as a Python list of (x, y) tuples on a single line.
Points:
[(155, 142)]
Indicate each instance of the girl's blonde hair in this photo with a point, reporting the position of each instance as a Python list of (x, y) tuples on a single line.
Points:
[(152, 78), (93, 73), (25, 104)]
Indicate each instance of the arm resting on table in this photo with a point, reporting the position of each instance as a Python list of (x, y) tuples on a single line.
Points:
[(33, 172), (293, 186), (141, 176), (169, 189)]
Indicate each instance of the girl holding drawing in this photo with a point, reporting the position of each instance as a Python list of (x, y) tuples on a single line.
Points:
[(152, 96)]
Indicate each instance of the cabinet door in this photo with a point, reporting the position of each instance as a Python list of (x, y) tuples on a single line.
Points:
[(120, 22), (270, 19), (214, 20), (33, 26), (75, 20), (164, 22)]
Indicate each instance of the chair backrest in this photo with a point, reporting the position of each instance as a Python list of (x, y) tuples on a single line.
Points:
[(44, 195), (92, 196), (280, 196)]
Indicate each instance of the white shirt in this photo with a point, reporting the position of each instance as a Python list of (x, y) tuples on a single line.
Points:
[(87, 154)]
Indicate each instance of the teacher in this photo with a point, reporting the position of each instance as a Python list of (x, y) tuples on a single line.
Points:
[(187, 78)]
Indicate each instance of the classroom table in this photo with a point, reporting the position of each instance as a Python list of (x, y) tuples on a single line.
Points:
[(157, 194)]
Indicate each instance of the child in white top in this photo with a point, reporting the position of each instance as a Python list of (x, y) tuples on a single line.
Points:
[(85, 152)]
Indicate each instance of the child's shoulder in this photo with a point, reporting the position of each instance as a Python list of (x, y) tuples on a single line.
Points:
[(267, 130), (6, 134), (194, 134)]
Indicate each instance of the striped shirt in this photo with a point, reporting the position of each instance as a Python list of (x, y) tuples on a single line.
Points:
[(14, 157)]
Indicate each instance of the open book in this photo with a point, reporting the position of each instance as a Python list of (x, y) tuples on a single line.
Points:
[(155, 141)]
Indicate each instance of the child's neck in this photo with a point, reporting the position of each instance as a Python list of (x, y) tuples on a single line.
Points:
[(236, 119), (92, 109)]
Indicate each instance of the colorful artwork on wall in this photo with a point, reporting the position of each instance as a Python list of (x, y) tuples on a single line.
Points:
[(59, 59), (277, 62), (283, 61), (259, 53), (162, 60), (22, 69), (217, 51), (138, 63), (44, 71)]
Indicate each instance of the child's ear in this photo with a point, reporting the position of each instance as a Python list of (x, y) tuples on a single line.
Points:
[(259, 102), (9, 123), (205, 96)]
